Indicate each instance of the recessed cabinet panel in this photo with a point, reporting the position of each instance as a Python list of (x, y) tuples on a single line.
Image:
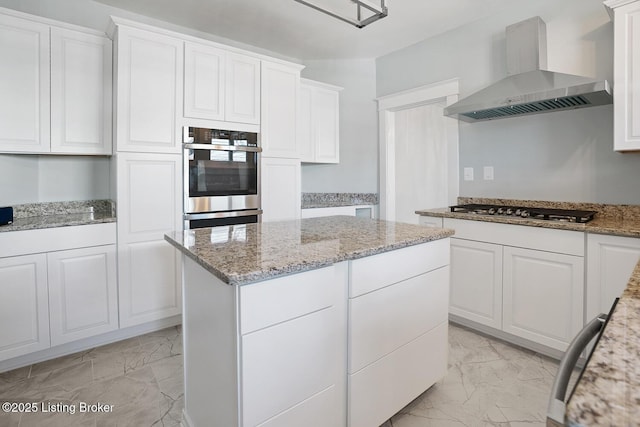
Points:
[(476, 281), (279, 104), (543, 296), (204, 82), (305, 126), (626, 98), (611, 260), (80, 93), (149, 282), (82, 293), (326, 116), (242, 98), (24, 77), (24, 308), (280, 189), (149, 91), (149, 195)]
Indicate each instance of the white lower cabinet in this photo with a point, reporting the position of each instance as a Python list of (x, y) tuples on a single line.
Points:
[(24, 308), (82, 293), (476, 271), (527, 282), (611, 260), (280, 182), (543, 296), (57, 285), (149, 196), (398, 334)]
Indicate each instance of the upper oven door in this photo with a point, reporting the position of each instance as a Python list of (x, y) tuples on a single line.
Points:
[(222, 170)]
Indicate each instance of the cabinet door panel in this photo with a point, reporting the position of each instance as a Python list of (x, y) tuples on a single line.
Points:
[(280, 183), (242, 97), (149, 195), (80, 93), (82, 293), (297, 354), (306, 141), (543, 296), (149, 282), (611, 260), (327, 133), (149, 91), (476, 282), (279, 104), (384, 320), (24, 76), (24, 309), (204, 82), (626, 98)]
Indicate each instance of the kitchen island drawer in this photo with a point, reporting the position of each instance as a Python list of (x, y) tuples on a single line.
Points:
[(384, 320), (377, 271), (267, 303), (378, 391)]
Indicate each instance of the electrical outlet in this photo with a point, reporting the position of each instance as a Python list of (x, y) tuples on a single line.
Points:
[(468, 174), (488, 173)]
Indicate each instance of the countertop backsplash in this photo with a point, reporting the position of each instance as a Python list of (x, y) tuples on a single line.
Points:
[(328, 200)]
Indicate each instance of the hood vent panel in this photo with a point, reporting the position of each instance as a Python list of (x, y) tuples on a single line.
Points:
[(566, 103), (528, 89)]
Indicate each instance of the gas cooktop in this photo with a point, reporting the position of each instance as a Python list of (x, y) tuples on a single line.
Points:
[(567, 215)]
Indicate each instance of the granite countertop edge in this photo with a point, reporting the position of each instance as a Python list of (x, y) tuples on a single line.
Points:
[(302, 266)]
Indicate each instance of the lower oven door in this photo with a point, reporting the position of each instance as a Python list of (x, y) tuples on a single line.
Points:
[(216, 219), (557, 402)]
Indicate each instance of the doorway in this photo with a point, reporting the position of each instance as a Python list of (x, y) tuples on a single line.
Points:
[(418, 151)]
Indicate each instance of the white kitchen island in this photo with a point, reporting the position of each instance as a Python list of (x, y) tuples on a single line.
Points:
[(322, 322)]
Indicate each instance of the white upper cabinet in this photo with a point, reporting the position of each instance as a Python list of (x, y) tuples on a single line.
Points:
[(24, 85), (626, 74), (203, 82), (219, 85), (318, 122), (149, 80), (242, 84), (62, 79), (279, 109), (81, 76)]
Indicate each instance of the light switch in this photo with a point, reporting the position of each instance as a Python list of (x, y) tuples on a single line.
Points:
[(468, 174), (488, 173)]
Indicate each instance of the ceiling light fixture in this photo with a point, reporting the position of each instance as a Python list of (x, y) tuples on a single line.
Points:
[(366, 11)]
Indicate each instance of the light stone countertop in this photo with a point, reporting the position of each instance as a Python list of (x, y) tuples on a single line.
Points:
[(608, 393), (330, 200), (616, 220), (35, 216), (247, 253)]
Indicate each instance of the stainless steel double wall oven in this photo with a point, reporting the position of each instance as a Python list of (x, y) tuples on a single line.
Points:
[(221, 177)]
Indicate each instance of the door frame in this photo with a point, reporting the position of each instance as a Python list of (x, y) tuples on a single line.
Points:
[(388, 105)]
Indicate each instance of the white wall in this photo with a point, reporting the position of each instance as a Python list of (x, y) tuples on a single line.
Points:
[(32, 178), (357, 171), (557, 156)]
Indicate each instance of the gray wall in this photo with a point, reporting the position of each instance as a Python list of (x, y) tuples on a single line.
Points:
[(357, 171), (558, 156)]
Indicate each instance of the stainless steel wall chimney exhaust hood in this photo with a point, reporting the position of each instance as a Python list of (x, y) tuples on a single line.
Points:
[(528, 87)]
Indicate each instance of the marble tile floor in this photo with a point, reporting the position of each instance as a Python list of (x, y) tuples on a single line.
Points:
[(490, 383)]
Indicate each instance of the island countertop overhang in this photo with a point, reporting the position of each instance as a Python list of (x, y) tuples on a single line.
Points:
[(247, 253)]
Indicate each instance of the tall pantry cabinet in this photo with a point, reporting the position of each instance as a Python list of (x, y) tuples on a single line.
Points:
[(148, 171)]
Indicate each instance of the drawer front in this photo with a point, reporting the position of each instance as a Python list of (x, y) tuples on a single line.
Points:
[(377, 271), (384, 320), (264, 304), (543, 239), (383, 388)]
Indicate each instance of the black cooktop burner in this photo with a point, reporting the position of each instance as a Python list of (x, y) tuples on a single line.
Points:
[(568, 215)]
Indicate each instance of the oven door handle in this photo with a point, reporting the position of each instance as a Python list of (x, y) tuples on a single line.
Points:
[(216, 147), (228, 214), (557, 406)]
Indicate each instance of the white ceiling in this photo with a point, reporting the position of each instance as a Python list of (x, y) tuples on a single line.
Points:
[(297, 31)]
